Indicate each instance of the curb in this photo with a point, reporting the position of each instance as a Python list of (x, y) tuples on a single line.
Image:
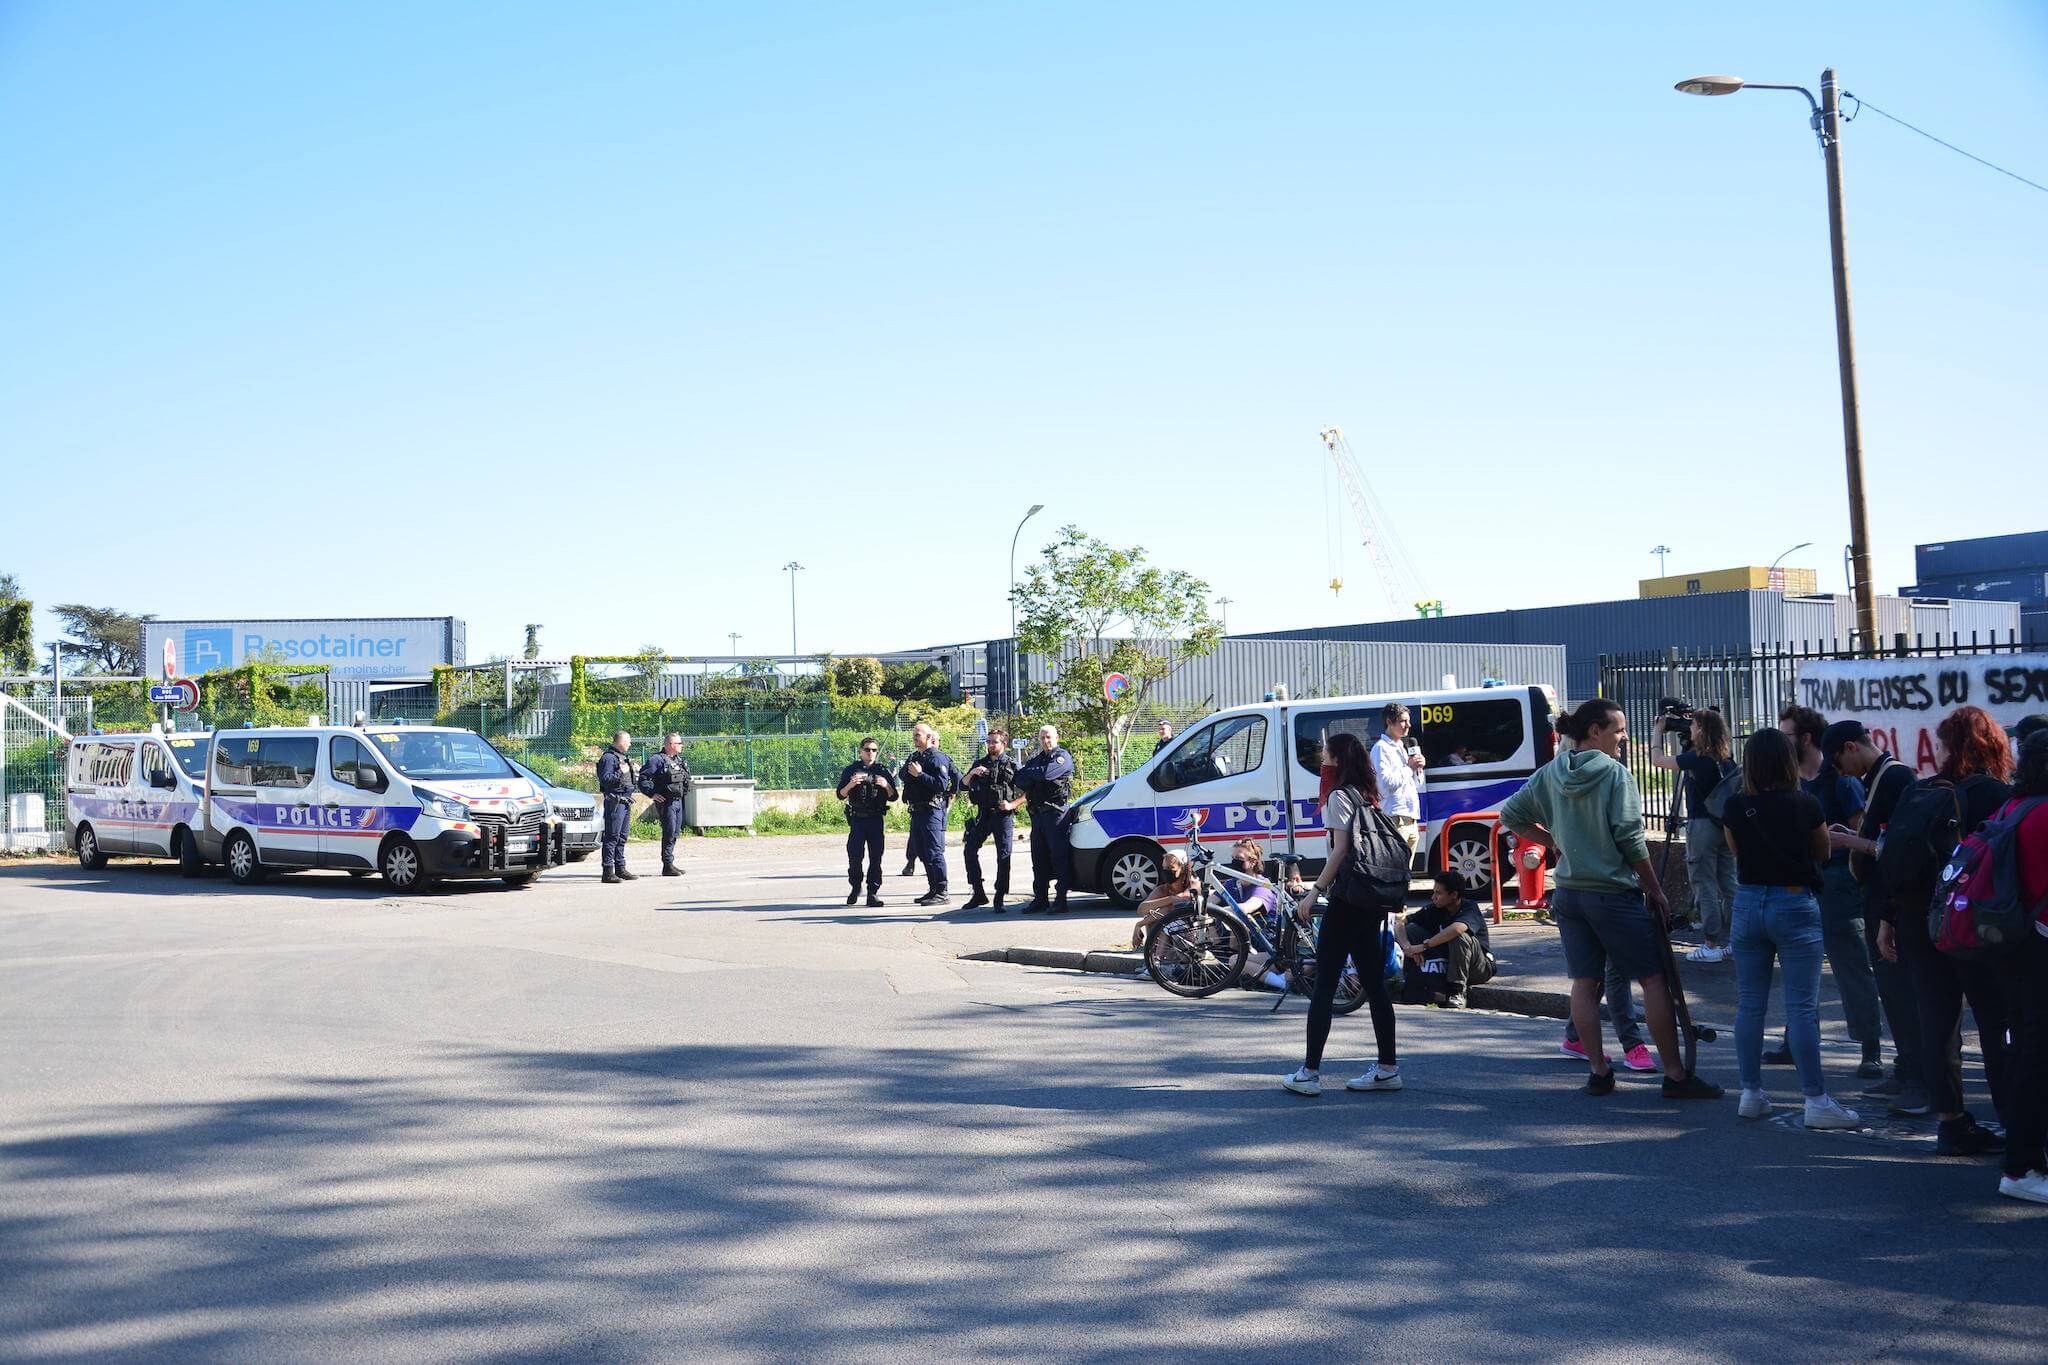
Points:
[(1505, 999)]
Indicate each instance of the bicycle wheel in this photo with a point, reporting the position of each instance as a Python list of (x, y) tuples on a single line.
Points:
[(1196, 953), (1350, 990)]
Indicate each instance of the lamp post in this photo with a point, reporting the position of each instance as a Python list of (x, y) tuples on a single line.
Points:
[(1827, 126), (734, 636), (1772, 572), (1660, 551), (793, 569), (1016, 657), (1224, 604)]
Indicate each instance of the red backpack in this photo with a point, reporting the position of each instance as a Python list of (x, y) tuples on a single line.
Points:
[(1980, 908)]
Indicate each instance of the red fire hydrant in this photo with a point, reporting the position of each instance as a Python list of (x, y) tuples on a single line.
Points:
[(1529, 874)]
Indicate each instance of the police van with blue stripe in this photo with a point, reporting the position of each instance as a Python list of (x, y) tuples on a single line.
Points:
[(1255, 771), (415, 803), (136, 795)]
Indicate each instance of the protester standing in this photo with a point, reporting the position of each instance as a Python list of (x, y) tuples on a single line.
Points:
[(1841, 800), (1851, 749), (616, 782), (1586, 805), (1780, 839), (1350, 933), (1395, 767), (1975, 761), (665, 780), (2025, 973), (867, 788), (1046, 780), (1704, 763)]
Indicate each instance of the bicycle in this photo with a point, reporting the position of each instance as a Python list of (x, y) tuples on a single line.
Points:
[(1197, 951)]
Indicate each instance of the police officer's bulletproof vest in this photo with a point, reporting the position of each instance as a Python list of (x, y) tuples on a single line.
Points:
[(870, 798), (999, 787), (1055, 793)]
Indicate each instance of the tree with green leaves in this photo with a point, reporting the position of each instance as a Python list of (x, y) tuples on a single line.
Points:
[(107, 638), (1097, 610), (859, 676), (649, 663), (17, 628)]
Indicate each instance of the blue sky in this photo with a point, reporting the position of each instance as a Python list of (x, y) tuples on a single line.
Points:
[(598, 315)]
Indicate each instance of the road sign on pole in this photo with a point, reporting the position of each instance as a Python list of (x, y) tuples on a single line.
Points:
[(1114, 686), (170, 657)]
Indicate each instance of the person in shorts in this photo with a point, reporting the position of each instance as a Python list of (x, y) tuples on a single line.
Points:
[(1585, 805)]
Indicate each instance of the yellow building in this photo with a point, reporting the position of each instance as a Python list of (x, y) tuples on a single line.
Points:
[(1797, 582)]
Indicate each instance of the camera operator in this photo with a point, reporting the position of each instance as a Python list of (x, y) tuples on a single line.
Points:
[(1704, 759), (867, 789)]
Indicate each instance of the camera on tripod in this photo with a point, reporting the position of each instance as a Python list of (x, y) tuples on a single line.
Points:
[(1677, 716)]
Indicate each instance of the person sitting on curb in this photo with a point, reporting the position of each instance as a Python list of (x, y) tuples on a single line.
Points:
[(1446, 946), (1174, 883), (1258, 901)]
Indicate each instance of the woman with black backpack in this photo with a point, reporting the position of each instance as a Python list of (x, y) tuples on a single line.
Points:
[(1780, 840), (1354, 916), (1930, 818)]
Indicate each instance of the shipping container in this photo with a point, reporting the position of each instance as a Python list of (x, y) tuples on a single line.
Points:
[(1754, 576), (1953, 559), (2029, 587)]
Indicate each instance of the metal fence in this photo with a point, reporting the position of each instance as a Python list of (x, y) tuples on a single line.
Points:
[(1749, 687)]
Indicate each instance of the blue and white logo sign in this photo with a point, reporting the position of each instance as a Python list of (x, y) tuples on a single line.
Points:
[(380, 649)]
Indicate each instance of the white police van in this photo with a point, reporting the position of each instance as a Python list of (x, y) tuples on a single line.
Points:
[(1254, 772), (416, 803), (136, 794)]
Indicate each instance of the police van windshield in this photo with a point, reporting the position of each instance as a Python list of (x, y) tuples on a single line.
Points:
[(432, 755), (191, 756)]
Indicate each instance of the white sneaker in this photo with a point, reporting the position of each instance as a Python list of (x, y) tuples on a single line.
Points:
[(1304, 1082), (1707, 952), (1379, 1078), (1755, 1104), (1823, 1112), (1276, 981), (2033, 1186)]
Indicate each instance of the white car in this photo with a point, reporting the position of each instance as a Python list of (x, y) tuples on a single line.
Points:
[(574, 810)]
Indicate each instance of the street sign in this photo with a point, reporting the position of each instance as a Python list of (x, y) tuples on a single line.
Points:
[(1114, 685), (170, 658), (182, 694)]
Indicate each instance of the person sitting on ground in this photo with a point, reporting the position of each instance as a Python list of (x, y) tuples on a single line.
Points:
[(1780, 839), (1446, 946), (1174, 884), (1247, 856)]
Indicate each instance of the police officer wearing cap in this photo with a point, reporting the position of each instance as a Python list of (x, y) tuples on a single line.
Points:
[(992, 788), (1047, 780), (867, 789), (617, 780), (929, 781), (665, 779)]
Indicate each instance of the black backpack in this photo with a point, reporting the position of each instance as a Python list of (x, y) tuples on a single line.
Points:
[(1716, 804), (1923, 832), (1376, 874)]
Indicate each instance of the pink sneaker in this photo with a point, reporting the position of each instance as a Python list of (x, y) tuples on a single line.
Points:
[(1638, 1058), (1572, 1049)]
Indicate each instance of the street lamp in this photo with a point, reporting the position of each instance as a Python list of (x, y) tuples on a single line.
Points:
[(734, 636), (1660, 551), (793, 569), (1827, 126), (1016, 660), (1224, 603)]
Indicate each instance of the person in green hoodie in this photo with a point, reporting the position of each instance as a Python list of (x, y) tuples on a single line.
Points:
[(1585, 805)]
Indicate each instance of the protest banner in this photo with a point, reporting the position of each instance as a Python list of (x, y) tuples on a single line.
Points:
[(1902, 700)]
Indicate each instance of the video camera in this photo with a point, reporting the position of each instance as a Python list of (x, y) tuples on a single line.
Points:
[(1677, 716)]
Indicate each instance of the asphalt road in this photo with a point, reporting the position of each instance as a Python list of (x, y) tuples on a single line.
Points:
[(725, 1117)]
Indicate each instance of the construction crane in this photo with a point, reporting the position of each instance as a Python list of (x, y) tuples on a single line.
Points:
[(1399, 578)]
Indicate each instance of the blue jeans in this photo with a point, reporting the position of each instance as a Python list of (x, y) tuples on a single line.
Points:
[(1785, 921)]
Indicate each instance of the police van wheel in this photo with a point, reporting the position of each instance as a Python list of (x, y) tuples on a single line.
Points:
[(1130, 873), (239, 857), (1471, 858), (190, 864), (399, 864), (90, 855)]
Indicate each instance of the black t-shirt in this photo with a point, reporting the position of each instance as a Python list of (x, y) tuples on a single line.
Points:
[(1773, 833), (1841, 800), (1429, 921), (1702, 775)]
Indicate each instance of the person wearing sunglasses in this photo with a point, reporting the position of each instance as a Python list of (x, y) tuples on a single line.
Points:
[(867, 789)]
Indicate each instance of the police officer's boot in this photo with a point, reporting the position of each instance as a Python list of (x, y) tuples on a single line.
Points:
[(1059, 901), (611, 874), (975, 901), (671, 870), (999, 904), (874, 901), (626, 876), (853, 894)]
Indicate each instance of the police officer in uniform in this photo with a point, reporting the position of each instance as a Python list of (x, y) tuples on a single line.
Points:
[(1047, 780), (992, 788), (867, 789), (665, 778), (929, 781), (617, 780)]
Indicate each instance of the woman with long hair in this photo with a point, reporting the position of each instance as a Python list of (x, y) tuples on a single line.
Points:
[(2025, 970), (1351, 931), (1709, 865), (1779, 838), (1175, 882), (1585, 805), (1975, 761)]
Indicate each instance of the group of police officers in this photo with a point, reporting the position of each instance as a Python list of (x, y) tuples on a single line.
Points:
[(997, 787)]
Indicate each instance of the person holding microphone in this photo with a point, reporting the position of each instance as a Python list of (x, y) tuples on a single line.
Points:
[(1397, 765)]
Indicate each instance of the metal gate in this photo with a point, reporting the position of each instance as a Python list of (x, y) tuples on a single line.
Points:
[(35, 736)]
